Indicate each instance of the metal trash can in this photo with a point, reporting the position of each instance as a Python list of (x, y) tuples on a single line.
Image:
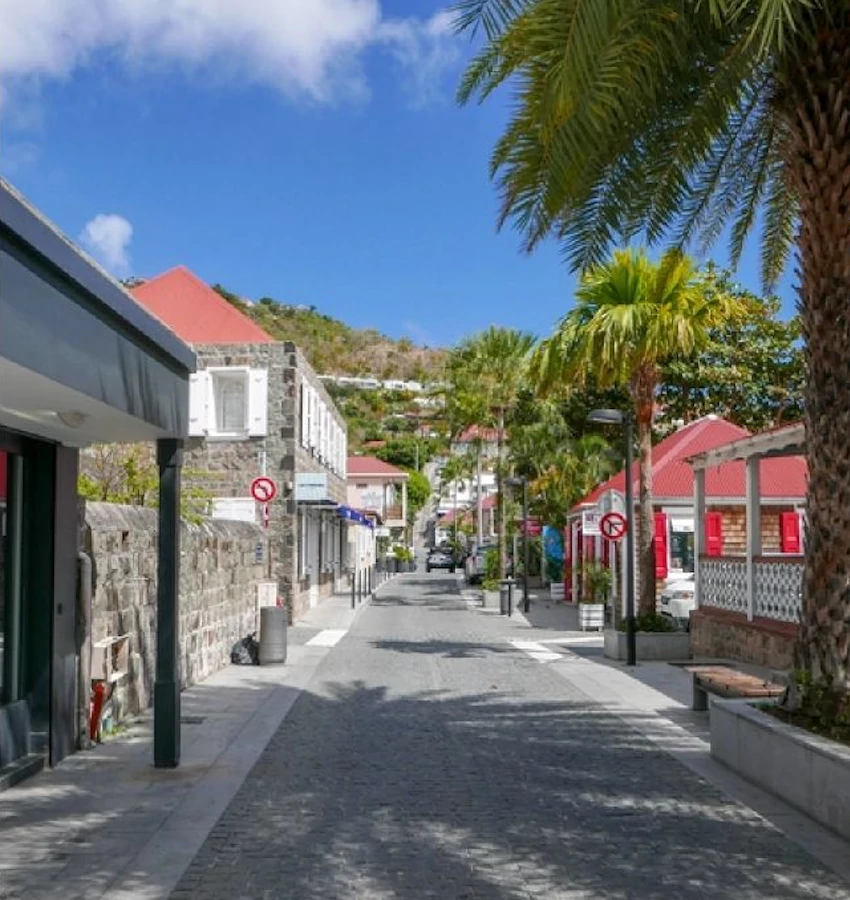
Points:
[(272, 635)]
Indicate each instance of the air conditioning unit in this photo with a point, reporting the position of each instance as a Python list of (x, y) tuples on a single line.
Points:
[(266, 593)]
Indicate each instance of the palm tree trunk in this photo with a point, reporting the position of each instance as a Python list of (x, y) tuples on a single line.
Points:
[(815, 101), (643, 394)]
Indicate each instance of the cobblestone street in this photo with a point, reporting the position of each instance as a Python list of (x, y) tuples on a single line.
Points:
[(430, 757)]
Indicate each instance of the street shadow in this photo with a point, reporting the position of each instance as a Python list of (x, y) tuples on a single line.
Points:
[(363, 792), (449, 649)]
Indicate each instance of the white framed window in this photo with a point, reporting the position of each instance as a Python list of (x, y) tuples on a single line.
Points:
[(229, 402)]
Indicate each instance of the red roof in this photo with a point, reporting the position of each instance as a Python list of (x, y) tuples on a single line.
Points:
[(673, 478), (371, 465), (195, 312)]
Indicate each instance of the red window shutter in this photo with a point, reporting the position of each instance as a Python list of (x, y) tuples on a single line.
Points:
[(714, 534), (789, 531), (660, 545)]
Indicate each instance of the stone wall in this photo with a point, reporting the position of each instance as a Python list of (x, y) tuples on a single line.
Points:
[(226, 467), (723, 634), (221, 564)]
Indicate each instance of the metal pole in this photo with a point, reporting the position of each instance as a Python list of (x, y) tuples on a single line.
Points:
[(353, 589), (526, 600), (166, 702), (631, 641)]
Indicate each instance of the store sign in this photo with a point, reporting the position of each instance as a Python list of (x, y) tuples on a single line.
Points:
[(311, 487), (590, 522)]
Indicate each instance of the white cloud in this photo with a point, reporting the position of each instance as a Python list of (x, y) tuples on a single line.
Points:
[(304, 48), (107, 237)]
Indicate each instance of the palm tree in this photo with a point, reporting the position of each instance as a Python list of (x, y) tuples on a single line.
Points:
[(679, 120), (486, 373), (631, 315)]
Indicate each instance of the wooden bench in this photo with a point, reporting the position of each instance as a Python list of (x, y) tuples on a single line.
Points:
[(726, 682)]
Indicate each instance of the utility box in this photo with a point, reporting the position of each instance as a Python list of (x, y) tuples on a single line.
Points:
[(110, 659)]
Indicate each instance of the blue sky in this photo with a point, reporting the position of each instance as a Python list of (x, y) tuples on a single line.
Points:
[(314, 155)]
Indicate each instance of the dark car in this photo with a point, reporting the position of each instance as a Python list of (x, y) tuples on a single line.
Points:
[(440, 558)]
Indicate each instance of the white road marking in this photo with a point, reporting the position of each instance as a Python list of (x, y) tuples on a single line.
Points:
[(330, 637), (536, 651)]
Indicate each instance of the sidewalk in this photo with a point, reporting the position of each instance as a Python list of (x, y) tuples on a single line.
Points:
[(106, 820)]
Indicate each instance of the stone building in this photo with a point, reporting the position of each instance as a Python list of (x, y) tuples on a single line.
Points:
[(257, 409)]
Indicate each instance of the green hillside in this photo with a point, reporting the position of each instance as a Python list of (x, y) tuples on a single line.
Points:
[(334, 348)]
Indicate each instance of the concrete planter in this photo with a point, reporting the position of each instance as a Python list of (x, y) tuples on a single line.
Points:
[(809, 772), (650, 645), (490, 599), (556, 590), (591, 615)]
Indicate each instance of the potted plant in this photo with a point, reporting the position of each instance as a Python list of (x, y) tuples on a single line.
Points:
[(597, 584), (656, 638), (490, 581), (555, 574)]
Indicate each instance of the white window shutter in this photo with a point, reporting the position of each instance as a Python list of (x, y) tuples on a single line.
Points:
[(200, 391), (305, 418), (258, 402)]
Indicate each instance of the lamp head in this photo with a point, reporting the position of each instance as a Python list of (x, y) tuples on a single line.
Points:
[(607, 416)]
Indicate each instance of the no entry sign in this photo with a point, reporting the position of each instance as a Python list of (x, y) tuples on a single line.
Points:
[(613, 526), (263, 489)]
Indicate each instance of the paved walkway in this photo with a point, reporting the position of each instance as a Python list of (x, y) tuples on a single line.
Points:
[(436, 751)]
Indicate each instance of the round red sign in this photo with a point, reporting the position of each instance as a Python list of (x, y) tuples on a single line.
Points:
[(263, 489), (613, 526)]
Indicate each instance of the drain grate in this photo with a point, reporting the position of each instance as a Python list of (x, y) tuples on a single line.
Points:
[(192, 720)]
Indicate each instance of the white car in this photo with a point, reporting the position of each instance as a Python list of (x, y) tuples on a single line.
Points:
[(677, 602)]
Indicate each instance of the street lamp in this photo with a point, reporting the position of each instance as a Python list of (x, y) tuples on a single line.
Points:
[(624, 419), (523, 482)]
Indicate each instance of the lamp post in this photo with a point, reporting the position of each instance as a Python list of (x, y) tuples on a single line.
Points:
[(624, 419), (516, 482)]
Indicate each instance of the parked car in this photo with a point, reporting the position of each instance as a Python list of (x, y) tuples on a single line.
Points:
[(474, 563), (440, 558), (677, 602)]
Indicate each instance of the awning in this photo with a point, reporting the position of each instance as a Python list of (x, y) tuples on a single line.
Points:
[(346, 512)]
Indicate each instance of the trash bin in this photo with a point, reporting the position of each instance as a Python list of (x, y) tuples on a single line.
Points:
[(272, 635)]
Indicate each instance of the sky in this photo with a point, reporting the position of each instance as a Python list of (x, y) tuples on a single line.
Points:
[(311, 152)]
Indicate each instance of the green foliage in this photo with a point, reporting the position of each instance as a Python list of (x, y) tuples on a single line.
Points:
[(597, 582), (751, 371), (408, 452), (817, 707), (405, 554), (633, 117), (653, 622), (418, 492), (490, 580), (127, 474), (554, 570)]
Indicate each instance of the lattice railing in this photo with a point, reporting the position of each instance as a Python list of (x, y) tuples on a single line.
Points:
[(779, 589), (723, 583), (778, 586)]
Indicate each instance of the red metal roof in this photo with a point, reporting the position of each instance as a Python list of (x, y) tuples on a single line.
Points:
[(371, 465), (195, 312), (673, 478)]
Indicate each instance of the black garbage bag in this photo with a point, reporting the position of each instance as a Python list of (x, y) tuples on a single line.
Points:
[(246, 652)]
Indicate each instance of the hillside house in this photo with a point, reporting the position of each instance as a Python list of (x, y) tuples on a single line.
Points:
[(257, 408), (783, 490), (379, 489)]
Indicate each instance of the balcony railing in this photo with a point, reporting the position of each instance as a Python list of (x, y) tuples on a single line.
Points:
[(777, 582), (392, 512)]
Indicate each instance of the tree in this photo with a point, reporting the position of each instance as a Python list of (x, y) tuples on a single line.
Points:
[(750, 372), (486, 375), (681, 121), (630, 316), (418, 492)]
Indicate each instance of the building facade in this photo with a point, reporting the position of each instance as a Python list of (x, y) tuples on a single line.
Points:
[(379, 489), (258, 410)]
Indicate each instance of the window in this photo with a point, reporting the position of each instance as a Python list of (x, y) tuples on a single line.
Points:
[(230, 393), (228, 403)]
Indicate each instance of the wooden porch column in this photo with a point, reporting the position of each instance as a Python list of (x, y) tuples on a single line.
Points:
[(574, 561), (699, 530), (753, 529)]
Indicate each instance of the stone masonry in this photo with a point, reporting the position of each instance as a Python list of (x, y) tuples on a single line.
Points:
[(221, 564), (226, 467)]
